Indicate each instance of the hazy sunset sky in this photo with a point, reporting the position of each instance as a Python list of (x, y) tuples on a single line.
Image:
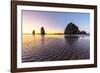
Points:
[(53, 22)]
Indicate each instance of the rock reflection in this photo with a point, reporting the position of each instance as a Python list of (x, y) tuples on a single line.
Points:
[(71, 40), (42, 40), (41, 48)]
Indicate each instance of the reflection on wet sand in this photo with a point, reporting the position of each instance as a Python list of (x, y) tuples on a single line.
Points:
[(71, 39), (54, 48), (42, 39)]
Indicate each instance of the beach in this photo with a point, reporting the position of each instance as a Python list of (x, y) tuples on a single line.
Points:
[(39, 48)]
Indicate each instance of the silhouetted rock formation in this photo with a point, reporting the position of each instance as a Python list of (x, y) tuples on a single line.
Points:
[(83, 32), (71, 28), (42, 31), (33, 32)]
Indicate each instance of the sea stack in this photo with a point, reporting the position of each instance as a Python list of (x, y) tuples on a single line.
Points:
[(33, 32), (71, 28), (42, 31)]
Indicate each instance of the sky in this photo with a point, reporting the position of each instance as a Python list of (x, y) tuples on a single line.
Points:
[(53, 22)]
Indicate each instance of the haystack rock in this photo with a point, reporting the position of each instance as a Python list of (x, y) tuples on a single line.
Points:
[(71, 28)]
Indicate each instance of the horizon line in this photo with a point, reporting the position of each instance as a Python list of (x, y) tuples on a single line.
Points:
[(48, 33)]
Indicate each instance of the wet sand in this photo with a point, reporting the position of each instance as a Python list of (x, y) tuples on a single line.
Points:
[(55, 48)]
